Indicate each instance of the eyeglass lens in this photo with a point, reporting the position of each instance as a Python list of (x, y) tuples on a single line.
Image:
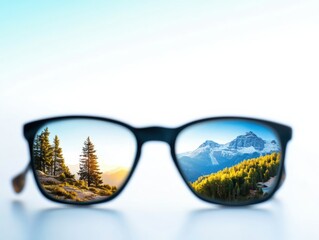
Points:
[(229, 161), (82, 160)]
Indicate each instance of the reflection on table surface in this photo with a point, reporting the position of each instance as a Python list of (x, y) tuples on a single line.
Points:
[(235, 223), (98, 223)]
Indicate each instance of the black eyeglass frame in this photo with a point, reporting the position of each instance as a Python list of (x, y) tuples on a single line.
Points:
[(143, 135)]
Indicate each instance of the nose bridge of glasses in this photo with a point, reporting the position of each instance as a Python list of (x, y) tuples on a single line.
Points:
[(156, 134)]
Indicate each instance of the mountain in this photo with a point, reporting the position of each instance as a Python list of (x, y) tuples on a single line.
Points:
[(115, 177), (211, 157), (250, 139)]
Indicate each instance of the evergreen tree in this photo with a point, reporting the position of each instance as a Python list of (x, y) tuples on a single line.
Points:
[(58, 163), (46, 151), (37, 153), (89, 167), (266, 175), (66, 170), (57, 157)]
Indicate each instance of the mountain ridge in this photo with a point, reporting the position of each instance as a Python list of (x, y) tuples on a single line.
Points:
[(211, 156), (113, 177)]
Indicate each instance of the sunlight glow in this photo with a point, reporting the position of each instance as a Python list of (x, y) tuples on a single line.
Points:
[(115, 145)]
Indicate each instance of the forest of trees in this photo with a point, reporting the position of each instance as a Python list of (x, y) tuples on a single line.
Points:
[(239, 182), (49, 159), (55, 176)]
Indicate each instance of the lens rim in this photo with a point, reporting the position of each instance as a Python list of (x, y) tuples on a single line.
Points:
[(30, 131), (284, 134)]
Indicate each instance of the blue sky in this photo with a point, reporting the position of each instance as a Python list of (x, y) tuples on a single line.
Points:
[(47, 38), (115, 146), (221, 131)]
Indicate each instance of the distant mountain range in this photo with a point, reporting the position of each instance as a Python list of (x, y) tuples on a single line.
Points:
[(113, 177), (211, 157)]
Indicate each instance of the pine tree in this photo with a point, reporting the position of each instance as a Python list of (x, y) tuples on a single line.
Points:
[(57, 158), (58, 163), (37, 153), (46, 152), (89, 167), (266, 175), (66, 170)]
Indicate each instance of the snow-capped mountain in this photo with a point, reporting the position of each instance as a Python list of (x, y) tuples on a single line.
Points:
[(211, 157)]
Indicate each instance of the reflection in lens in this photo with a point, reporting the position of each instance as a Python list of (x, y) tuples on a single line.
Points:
[(82, 160), (230, 161)]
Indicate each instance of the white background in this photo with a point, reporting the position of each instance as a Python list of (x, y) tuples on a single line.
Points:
[(165, 64)]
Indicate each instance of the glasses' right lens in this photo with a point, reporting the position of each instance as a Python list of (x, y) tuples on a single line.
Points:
[(83, 160), (230, 161)]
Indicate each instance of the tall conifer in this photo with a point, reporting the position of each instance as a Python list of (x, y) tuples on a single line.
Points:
[(89, 167), (37, 153), (58, 163), (46, 152)]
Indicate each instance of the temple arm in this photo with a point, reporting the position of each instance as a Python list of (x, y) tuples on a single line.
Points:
[(18, 182)]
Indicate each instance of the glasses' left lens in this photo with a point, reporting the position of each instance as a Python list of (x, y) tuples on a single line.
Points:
[(83, 160)]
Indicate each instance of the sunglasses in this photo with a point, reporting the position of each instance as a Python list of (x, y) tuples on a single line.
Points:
[(84, 160)]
